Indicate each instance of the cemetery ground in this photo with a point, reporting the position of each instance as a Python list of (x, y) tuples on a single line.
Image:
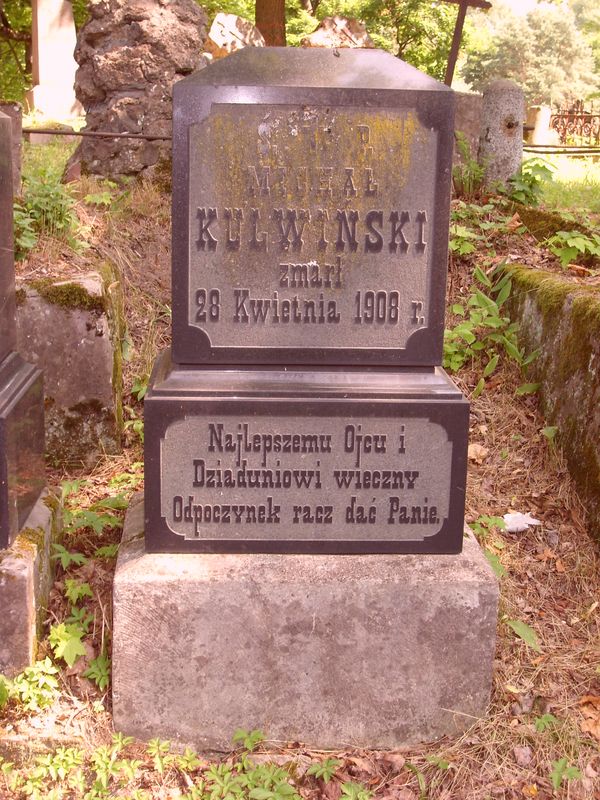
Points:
[(542, 735)]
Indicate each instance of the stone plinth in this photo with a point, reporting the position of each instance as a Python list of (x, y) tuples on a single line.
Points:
[(376, 651), (64, 328), (25, 579)]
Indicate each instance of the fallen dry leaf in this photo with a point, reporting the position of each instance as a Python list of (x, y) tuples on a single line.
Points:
[(394, 760), (477, 453), (590, 708)]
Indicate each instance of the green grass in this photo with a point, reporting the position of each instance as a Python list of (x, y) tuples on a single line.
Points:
[(49, 159), (575, 186)]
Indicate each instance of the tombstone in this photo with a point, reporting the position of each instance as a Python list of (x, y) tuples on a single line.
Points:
[(53, 65), (305, 453), (501, 138), (25, 522)]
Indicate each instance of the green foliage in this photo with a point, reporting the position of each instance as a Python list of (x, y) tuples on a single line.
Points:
[(4, 691), (467, 174), (99, 671), (550, 432), (76, 590), (15, 79), (542, 51), (325, 769), (248, 739), (528, 184), (66, 557), (48, 203), (98, 516), (484, 331), (545, 722), (65, 641), (569, 245), (563, 771), (525, 633), (35, 687), (25, 237), (140, 387), (483, 528), (462, 239)]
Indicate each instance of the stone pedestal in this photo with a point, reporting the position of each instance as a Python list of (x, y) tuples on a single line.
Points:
[(377, 651), (26, 573)]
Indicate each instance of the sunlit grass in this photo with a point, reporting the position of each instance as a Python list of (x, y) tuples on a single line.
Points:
[(575, 185)]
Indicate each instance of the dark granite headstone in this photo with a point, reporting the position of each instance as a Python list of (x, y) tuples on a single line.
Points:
[(310, 210), (302, 410), (7, 272), (21, 391), (304, 461)]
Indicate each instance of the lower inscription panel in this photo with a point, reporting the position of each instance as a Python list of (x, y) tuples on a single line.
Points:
[(366, 471)]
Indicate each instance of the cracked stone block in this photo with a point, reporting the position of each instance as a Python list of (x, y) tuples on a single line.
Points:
[(63, 327)]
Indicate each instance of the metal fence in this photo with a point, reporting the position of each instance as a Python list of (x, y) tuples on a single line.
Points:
[(577, 125)]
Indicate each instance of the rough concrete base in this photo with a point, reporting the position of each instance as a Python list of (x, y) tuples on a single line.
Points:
[(376, 651), (26, 574)]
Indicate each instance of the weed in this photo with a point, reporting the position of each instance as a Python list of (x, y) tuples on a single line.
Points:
[(484, 330), (325, 770), (248, 739), (25, 237), (467, 174), (561, 770), (524, 632), (65, 641), (66, 557), (545, 722), (569, 245), (76, 590), (528, 184), (99, 671), (355, 791), (35, 687)]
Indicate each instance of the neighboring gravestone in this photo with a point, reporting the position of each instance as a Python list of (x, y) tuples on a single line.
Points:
[(53, 66), (21, 394), (25, 521), (501, 139), (302, 418)]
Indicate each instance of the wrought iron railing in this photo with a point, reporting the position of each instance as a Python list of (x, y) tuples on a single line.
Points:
[(577, 125)]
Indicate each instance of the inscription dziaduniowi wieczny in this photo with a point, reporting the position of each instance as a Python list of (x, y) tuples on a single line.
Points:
[(310, 229)]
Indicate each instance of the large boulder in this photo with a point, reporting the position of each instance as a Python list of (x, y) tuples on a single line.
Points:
[(130, 53)]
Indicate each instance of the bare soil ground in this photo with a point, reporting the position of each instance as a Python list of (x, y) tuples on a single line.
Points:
[(544, 713)]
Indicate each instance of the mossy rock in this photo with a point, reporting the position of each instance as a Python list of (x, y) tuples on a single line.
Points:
[(68, 295)]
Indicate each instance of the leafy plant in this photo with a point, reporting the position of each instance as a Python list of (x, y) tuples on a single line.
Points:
[(160, 752), (527, 185), (66, 557), (248, 739), (569, 245), (76, 590), (325, 769), (355, 791), (561, 770), (483, 331), (35, 687), (25, 237), (467, 174), (545, 722), (462, 240), (99, 671), (65, 641), (48, 203)]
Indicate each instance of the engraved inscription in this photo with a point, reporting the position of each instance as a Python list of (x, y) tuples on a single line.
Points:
[(305, 223), (310, 478)]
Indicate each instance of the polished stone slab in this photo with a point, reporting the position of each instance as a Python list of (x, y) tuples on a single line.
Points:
[(21, 444), (7, 270), (310, 210), (304, 461)]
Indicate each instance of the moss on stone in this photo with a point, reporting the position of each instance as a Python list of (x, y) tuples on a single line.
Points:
[(68, 295), (543, 224), (20, 297)]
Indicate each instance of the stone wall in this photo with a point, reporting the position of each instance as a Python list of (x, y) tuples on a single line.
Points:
[(130, 53), (562, 320)]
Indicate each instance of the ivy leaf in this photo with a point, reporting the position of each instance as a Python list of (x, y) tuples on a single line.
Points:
[(524, 632), (66, 643)]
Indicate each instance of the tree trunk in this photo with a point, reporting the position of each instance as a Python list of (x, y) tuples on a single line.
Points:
[(269, 18)]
